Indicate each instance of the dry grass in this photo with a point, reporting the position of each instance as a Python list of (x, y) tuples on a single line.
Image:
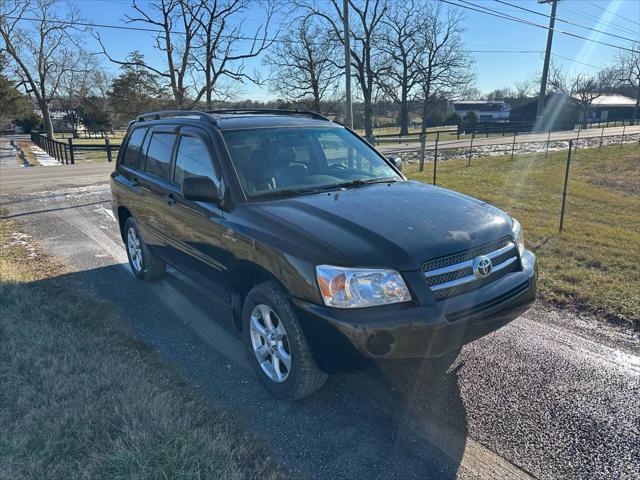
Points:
[(80, 398), (595, 262)]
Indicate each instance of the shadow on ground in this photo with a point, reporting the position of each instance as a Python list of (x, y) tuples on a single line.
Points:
[(400, 422)]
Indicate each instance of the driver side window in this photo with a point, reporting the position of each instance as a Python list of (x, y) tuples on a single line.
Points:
[(193, 160)]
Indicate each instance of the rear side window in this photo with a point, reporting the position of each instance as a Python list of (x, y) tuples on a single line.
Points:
[(132, 152), (158, 161), (193, 159)]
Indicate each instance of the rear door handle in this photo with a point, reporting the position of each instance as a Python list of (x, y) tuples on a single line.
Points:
[(134, 182), (170, 199)]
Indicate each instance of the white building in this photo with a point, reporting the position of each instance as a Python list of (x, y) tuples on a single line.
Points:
[(485, 110)]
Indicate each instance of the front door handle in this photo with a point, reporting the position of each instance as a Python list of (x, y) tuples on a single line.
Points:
[(134, 182), (170, 199)]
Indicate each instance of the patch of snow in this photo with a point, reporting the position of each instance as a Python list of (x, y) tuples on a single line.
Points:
[(22, 239), (43, 157)]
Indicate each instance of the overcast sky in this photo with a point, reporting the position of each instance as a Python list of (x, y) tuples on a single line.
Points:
[(494, 69)]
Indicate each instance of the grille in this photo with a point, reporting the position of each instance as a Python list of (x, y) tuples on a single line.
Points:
[(464, 256), (453, 275)]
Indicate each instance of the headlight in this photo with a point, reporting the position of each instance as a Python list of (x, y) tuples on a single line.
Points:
[(518, 235), (360, 287)]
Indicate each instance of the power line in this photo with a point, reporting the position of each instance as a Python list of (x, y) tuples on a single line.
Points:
[(558, 19), (612, 13), (178, 32), (590, 17), (494, 13), (577, 61)]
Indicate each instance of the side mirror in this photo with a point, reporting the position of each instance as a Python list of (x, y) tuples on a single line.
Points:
[(200, 189), (397, 161)]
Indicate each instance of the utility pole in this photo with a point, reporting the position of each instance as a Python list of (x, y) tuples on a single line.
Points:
[(348, 117), (547, 57)]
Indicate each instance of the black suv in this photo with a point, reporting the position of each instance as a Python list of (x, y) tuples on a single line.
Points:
[(329, 256)]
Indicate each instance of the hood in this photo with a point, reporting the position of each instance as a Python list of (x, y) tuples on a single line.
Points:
[(399, 225)]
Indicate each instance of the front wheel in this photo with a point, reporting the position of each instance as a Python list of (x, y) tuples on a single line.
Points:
[(144, 264), (277, 347)]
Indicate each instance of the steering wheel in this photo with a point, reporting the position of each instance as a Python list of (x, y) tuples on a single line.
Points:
[(338, 166)]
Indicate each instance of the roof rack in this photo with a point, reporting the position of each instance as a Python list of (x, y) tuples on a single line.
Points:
[(173, 113), (272, 111)]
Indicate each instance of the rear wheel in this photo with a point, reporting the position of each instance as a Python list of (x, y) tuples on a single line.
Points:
[(144, 264), (277, 348)]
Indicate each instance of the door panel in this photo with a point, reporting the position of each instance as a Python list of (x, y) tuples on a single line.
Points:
[(152, 183), (195, 228)]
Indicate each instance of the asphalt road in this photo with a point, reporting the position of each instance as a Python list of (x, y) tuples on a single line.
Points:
[(481, 141), (552, 395)]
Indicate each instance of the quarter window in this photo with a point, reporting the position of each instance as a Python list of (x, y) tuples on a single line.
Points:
[(132, 152), (159, 154), (193, 160)]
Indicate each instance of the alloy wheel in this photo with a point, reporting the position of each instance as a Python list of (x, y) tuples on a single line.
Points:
[(135, 249), (270, 343)]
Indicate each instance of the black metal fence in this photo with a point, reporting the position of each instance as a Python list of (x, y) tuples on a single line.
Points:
[(441, 151), (67, 151), (509, 128)]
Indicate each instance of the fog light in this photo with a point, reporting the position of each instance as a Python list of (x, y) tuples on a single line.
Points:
[(379, 343)]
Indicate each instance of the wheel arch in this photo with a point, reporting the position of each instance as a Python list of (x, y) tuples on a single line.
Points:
[(123, 214), (246, 275)]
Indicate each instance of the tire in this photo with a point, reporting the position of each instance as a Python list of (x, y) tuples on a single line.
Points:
[(302, 377), (144, 264)]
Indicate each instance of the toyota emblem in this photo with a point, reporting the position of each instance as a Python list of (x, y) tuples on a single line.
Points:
[(482, 266)]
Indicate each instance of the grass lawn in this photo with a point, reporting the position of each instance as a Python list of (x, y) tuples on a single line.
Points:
[(80, 398), (595, 262)]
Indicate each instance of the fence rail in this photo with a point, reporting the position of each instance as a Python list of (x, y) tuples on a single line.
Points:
[(67, 151)]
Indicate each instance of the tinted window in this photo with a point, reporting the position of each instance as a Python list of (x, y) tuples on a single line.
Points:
[(272, 159), (193, 160), (159, 154), (132, 153)]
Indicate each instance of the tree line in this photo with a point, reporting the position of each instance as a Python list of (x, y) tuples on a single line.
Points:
[(406, 55)]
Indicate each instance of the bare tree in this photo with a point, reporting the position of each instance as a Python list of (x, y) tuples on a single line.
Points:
[(582, 87), (86, 80), (365, 29), (43, 55), (221, 51), (446, 67), (403, 48), (177, 20), (304, 63), (627, 73)]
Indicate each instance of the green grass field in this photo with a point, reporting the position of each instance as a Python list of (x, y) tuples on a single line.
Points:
[(595, 262), (80, 398)]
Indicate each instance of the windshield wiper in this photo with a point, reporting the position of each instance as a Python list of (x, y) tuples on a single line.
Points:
[(362, 181), (286, 192)]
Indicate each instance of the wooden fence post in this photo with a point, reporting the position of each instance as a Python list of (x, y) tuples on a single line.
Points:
[(423, 146), (71, 155), (471, 148), (577, 140), (513, 145), (548, 140), (435, 158), (564, 190), (624, 127), (108, 145), (601, 135)]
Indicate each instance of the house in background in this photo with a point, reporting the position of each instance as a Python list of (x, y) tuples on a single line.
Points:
[(559, 109), (610, 107), (485, 110)]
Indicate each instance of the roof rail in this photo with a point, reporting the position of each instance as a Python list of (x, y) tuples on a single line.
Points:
[(271, 111), (173, 113)]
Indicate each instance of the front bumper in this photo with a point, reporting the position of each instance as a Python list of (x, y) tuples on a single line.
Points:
[(359, 338)]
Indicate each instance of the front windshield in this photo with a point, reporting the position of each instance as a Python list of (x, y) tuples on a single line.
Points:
[(290, 161)]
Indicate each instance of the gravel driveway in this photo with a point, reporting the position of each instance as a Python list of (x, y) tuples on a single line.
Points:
[(552, 395)]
